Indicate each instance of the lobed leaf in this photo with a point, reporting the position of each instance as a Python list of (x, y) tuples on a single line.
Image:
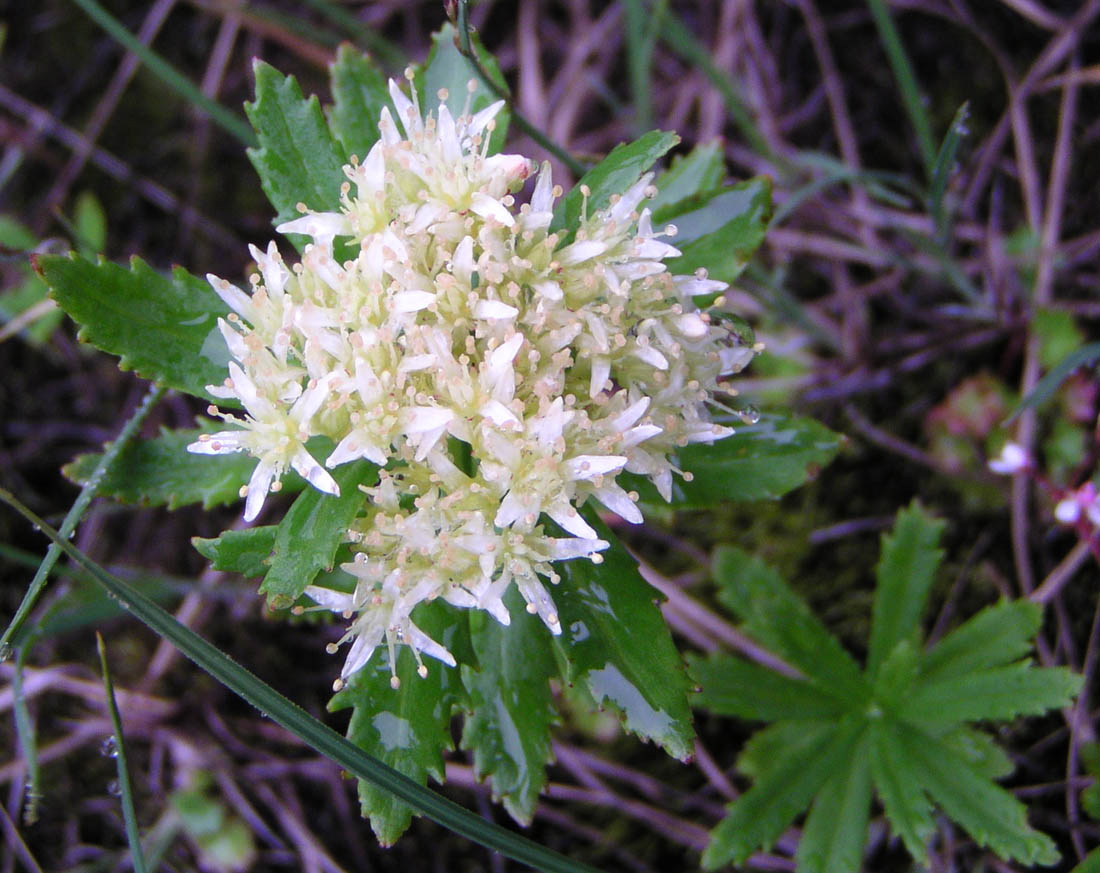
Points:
[(165, 329), (359, 94), (768, 748), (298, 160), (312, 530), (759, 461), (776, 617), (980, 750), (161, 472), (904, 573), (692, 175), (407, 728), (898, 782), (836, 828), (757, 818), (991, 815), (615, 640), (613, 175), (512, 708), (997, 635), (735, 687), (998, 693)]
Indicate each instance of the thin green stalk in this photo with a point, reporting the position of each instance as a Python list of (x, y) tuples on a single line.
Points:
[(72, 518), (466, 48), (173, 78), (118, 751), (907, 83), (28, 746), (385, 51), (314, 733)]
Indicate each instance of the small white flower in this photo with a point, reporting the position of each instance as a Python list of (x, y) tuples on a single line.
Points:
[(1012, 459)]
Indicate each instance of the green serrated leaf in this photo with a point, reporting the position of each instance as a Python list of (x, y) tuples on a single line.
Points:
[(776, 617), (721, 231), (615, 641), (311, 532), (895, 678), (732, 686), (359, 95), (407, 728), (900, 790), (759, 462), (613, 175), (161, 472), (904, 573), (447, 68), (836, 828), (692, 175), (997, 635), (991, 815), (980, 750), (998, 693), (768, 748), (298, 160), (759, 816), (512, 708), (165, 329), (247, 552)]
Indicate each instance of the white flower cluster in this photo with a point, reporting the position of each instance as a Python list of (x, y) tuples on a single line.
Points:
[(496, 372)]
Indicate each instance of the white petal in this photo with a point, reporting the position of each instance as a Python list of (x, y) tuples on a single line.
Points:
[(691, 325), (482, 118), (221, 443), (651, 356), (601, 370), (655, 250), (407, 114), (412, 301), (548, 288), (639, 434), (316, 475), (590, 466), (622, 211), (568, 517), (233, 296), (619, 502), (420, 419), (490, 207), (423, 643), (258, 486), (498, 414), (581, 251), (542, 198), (486, 309), (322, 226), (337, 601), (566, 548)]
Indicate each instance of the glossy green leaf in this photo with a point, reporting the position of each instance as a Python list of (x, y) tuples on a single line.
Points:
[(760, 461), (161, 472), (247, 552), (735, 687), (407, 728), (447, 68), (907, 563), (311, 532), (999, 693), (758, 817), (359, 94), (613, 175), (779, 619), (991, 815), (165, 329), (692, 175), (836, 829), (615, 641), (721, 232), (298, 160), (899, 788), (997, 635), (508, 729)]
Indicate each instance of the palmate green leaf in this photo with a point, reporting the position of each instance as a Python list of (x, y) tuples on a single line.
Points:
[(998, 693), (734, 687), (311, 532), (997, 635), (776, 617), (359, 95), (768, 748), (298, 160), (908, 561), (407, 728), (247, 552), (760, 461), (165, 329), (161, 472), (899, 787), (759, 816), (720, 232), (980, 750), (613, 175), (991, 815), (447, 68), (615, 641), (691, 175), (836, 828), (512, 708)]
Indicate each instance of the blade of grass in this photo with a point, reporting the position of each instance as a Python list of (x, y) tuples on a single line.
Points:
[(941, 172), (173, 78), (126, 796), (314, 733), (907, 83), (388, 54), (72, 518), (640, 36), (28, 746)]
